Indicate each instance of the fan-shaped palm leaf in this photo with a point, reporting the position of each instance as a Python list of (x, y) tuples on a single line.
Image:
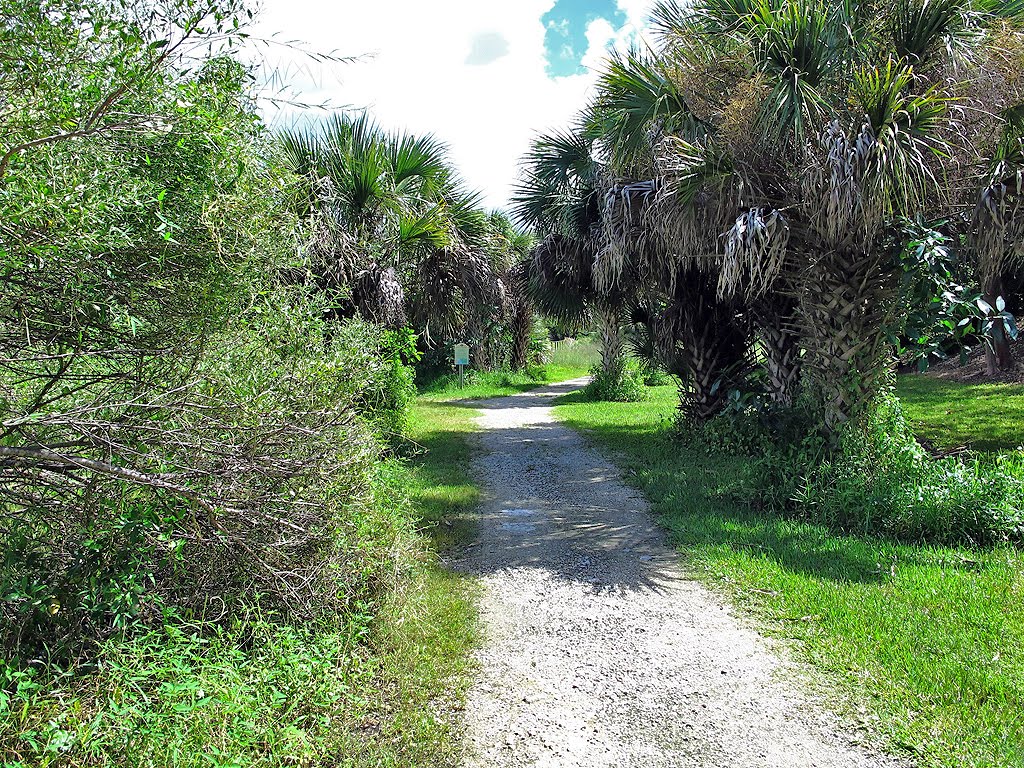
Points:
[(637, 103), (558, 279)]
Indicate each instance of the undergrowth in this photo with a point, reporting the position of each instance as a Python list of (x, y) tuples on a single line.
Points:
[(878, 479), (377, 686), (622, 386)]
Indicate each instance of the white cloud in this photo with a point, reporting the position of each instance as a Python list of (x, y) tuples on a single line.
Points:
[(418, 78), (600, 35)]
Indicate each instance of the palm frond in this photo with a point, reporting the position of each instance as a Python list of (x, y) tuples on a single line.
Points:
[(905, 127), (557, 189), (755, 251), (637, 103), (1002, 9), (426, 230), (801, 46), (670, 19), (921, 28), (558, 279), (416, 156)]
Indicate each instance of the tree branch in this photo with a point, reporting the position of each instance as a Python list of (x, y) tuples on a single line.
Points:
[(39, 456)]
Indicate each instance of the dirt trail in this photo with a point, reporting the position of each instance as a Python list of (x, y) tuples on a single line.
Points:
[(598, 651)]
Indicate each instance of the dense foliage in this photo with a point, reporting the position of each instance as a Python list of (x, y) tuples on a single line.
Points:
[(193, 439), (396, 238), (776, 200), (745, 192)]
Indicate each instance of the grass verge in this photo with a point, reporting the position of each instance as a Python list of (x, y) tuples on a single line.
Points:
[(923, 645), (984, 417)]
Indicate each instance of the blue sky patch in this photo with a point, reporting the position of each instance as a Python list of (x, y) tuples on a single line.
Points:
[(565, 37), (487, 48)]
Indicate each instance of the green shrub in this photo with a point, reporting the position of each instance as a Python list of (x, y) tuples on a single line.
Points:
[(277, 450), (626, 386), (883, 480), (880, 480), (656, 377), (749, 425)]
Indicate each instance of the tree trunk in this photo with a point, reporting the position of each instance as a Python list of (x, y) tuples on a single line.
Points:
[(704, 341), (776, 319), (612, 345), (998, 353), (848, 301), (478, 340), (522, 331)]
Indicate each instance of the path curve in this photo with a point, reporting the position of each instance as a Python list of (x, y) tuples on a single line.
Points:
[(597, 650)]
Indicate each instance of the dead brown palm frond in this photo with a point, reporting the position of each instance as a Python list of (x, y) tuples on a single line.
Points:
[(697, 200), (625, 236), (998, 219), (378, 295), (450, 286), (755, 251), (333, 254)]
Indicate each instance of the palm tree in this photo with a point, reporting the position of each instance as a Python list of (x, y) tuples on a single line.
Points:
[(997, 230), (395, 236), (659, 239), (818, 135), (508, 248), (559, 197)]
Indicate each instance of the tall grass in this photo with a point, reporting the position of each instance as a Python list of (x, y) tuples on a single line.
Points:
[(580, 354)]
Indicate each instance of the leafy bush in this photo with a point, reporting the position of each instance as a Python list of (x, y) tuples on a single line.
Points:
[(626, 386), (278, 502), (655, 376), (749, 424), (882, 479), (878, 479)]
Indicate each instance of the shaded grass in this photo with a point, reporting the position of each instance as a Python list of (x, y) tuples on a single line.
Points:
[(985, 417), (439, 481), (922, 645)]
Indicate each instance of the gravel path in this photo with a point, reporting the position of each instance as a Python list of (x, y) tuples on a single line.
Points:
[(598, 651)]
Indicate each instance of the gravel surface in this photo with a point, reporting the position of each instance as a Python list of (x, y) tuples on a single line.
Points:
[(598, 650)]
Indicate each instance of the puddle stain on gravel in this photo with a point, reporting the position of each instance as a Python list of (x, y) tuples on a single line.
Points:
[(598, 651)]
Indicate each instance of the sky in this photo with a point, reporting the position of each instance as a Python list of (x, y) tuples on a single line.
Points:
[(484, 76)]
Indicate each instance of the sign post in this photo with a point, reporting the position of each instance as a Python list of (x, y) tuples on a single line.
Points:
[(462, 360)]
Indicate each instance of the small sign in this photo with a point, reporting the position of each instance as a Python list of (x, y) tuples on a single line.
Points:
[(462, 354)]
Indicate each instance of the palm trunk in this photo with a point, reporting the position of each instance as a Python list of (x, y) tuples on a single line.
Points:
[(847, 302), (612, 345), (704, 341), (478, 334), (522, 331), (776, 318)]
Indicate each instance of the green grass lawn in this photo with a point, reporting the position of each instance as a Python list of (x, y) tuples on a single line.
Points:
[(985, 417), (923, 646), (568, 361)]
